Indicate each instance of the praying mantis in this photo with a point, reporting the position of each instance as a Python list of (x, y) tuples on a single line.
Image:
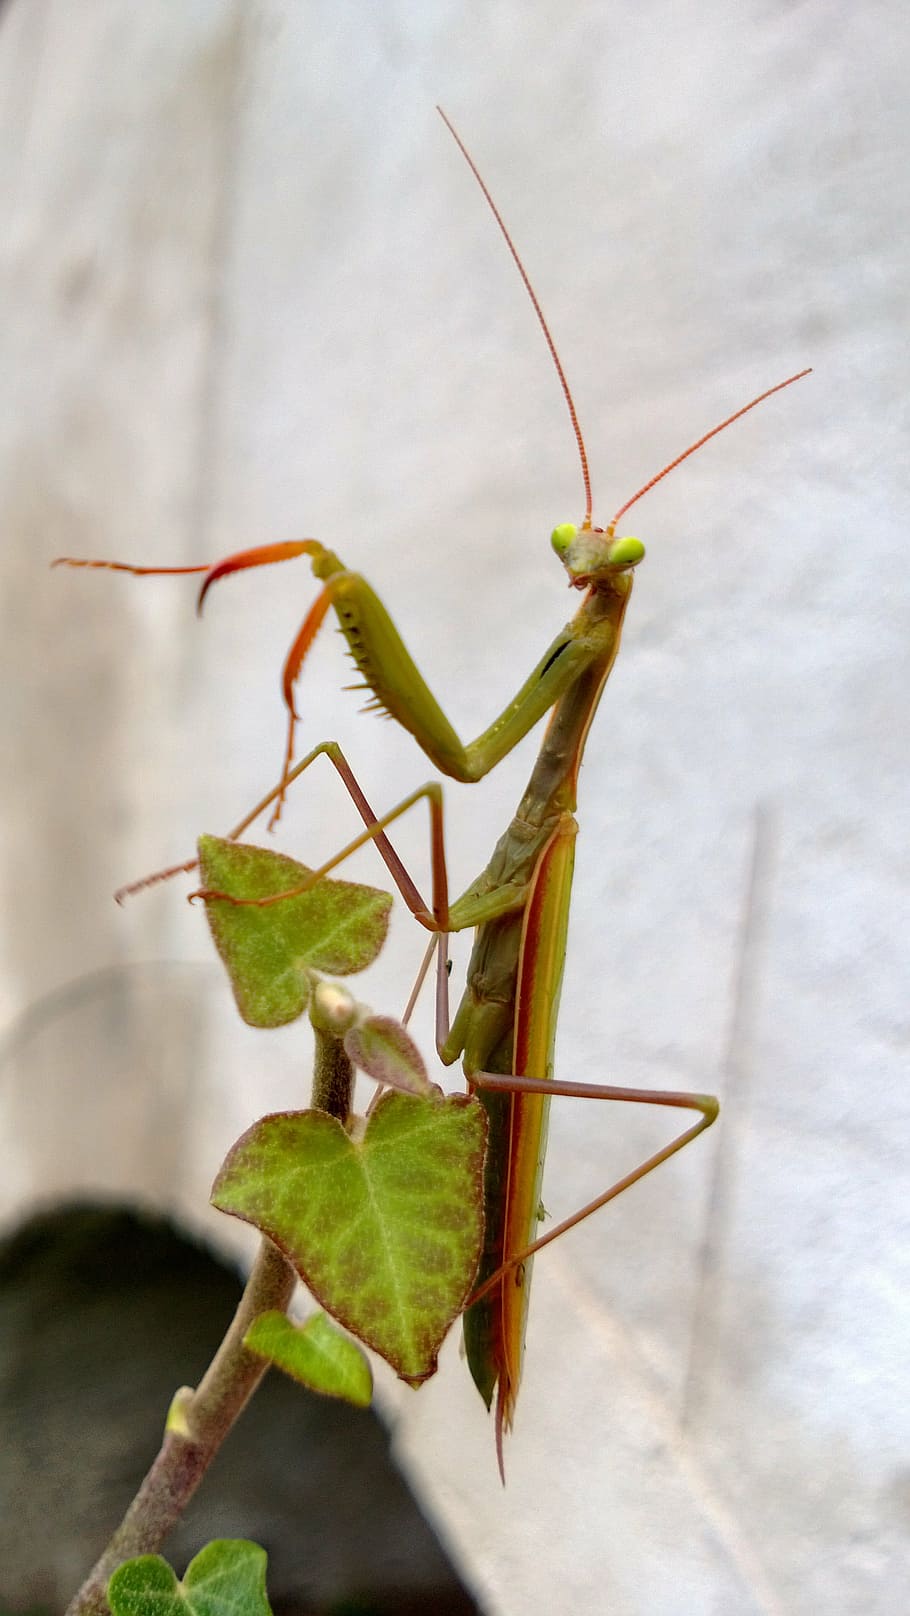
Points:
[(504, 1030)]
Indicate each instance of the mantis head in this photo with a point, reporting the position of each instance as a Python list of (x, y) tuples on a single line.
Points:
[(591, 555)]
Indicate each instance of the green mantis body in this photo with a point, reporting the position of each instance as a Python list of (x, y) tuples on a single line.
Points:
[(505, 1027), (519, 905)]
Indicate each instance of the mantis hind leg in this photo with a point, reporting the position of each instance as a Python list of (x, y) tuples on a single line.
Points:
[(503, 1294), (705, 1104)]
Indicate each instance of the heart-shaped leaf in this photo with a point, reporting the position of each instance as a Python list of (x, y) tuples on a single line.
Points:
[(315, 1353), (226, 1578), (385, 1230), (338, 926)]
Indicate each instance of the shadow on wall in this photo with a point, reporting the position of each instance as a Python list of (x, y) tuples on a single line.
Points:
[(103, 1314)]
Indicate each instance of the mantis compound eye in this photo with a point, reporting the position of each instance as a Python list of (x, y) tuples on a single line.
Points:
[(626, 552), (561, 538)]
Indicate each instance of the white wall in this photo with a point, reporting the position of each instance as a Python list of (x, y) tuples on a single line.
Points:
[(250, 292)]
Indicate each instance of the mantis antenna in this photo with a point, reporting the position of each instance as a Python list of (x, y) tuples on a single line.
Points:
[(567, 392), (671, 466)]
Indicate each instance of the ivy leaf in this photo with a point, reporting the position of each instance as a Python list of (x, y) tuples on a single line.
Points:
[(315, 1353), (338, 927), (385, 1050), (226, 1578), (386, 1229), (378, 1045)]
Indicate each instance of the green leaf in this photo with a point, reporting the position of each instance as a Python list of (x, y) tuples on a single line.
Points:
[(385, 1230), (227, 1578), (338, 927), (315, 1353), (385, 1050)]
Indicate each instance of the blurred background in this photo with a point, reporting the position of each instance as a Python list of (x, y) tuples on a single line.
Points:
[(251, 292)]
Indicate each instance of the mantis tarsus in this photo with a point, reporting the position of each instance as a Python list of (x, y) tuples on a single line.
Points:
[(505, 1027)]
